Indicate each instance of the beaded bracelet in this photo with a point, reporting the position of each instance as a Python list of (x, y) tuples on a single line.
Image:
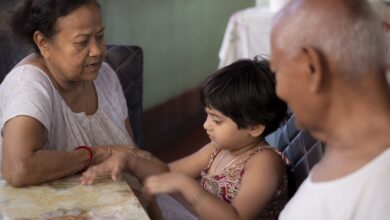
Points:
[(90, 155)]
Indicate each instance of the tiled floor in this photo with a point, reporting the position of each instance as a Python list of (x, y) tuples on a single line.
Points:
[(186, 141)]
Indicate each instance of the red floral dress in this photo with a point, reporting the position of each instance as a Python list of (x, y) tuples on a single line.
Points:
[(226, 185)]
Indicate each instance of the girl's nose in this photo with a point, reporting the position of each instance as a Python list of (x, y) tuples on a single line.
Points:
[(206, 124)]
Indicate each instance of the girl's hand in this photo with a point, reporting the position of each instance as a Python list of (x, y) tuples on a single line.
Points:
[(165, 183), (114, 166)]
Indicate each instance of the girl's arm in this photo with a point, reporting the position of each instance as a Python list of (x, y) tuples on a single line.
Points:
[(199, 201), (140, 163), (262, 178), (194, 163), (143, 164)]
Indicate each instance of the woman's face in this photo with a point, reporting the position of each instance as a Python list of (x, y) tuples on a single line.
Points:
[(77, 50)]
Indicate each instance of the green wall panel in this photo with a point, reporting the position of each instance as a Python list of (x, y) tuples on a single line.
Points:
[(180, 39)]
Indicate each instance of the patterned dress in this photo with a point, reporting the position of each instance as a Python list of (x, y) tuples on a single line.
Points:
[(226, 185)]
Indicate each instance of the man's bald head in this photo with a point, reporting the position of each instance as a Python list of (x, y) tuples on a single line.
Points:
[(346, 33)]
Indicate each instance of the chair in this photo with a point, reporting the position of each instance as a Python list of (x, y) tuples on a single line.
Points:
[(301, 149), (10, 54), (127, 61)]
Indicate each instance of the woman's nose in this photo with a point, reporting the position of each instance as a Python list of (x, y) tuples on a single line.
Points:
[(96, 49)]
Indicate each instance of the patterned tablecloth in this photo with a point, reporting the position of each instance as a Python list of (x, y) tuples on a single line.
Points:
[(67, 199)]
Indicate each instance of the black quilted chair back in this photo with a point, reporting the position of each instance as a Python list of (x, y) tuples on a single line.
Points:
[(10, 53), (301, 149), (127, 61)]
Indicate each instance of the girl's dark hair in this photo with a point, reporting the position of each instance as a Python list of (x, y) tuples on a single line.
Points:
[(29, 16), (245, 92)]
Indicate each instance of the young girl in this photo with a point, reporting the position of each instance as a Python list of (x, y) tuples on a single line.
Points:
[(241, 176)]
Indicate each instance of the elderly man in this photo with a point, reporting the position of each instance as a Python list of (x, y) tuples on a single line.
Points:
[(329, 58)]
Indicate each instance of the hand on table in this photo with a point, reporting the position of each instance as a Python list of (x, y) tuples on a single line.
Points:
[(112, 166), (102, 153)]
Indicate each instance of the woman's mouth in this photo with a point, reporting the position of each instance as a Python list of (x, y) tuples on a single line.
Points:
[(94, 67)]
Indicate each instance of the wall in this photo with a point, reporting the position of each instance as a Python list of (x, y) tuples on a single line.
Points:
[(180, 39)]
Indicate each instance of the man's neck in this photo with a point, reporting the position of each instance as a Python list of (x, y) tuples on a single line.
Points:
[(355, 133)]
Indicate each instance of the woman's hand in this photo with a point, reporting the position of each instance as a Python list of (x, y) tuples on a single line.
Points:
[(102, 153), (113, 166)]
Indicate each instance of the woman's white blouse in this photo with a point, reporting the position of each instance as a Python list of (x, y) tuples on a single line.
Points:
[(28, 91)]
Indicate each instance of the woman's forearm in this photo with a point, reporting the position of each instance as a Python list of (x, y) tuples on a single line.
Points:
[(43, 166)]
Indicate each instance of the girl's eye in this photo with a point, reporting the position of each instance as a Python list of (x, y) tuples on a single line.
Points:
[(217, 122)]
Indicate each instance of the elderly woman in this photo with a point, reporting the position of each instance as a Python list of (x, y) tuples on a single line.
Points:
[(61, 109)]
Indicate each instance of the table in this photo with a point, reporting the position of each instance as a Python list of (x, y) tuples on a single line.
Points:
[(67, 199)]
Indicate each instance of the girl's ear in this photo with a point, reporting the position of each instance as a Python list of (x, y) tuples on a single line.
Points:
[(256, 130)]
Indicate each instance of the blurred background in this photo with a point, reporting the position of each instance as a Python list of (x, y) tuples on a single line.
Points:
[(180, 39), (181, 42)]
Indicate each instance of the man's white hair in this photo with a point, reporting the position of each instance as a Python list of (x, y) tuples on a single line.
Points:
[(352, 38)]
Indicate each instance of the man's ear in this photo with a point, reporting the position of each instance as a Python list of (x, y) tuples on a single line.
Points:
[(315, 68), (42, 43), (256, 130)]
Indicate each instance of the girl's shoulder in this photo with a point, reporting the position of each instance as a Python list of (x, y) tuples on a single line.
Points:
[(210, 149), (265, 156), (267, 150)]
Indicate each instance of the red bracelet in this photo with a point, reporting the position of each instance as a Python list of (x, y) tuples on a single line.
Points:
[(90, 155)]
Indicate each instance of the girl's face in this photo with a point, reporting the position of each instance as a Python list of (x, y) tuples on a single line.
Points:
[(224, 132), (77, 50)]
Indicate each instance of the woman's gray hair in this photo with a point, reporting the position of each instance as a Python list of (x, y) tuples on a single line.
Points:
[(352, 38)]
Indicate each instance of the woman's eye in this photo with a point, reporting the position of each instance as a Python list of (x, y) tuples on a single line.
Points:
[(82, 43), (100, 37)]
